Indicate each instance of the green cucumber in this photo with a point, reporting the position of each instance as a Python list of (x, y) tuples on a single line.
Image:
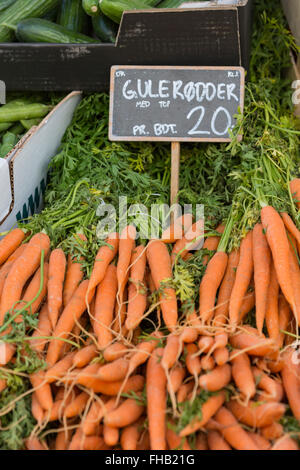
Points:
[(91, 7), (29, 123), (104, 28), (20, 10), (72, 16), (5, 125), (170, 3), (9, 140), (17, 129), (5, 4), (26, 111), (38, 30), (114, 9)]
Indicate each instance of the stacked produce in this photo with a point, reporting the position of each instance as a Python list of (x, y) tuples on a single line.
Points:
[(130, 343), (68, 21)]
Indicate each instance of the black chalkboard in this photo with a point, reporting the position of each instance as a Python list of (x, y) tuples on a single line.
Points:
[(174, 103)]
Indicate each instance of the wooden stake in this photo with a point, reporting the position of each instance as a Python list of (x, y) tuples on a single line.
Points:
[(175, 161)]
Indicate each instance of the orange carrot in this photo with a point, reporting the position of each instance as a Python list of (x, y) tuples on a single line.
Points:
[(188, 335), (272, 317), (95, 414), (233, 433), (295, 275), (291, 227), (284, 313), (22, 270), (126, 245), (33, 289), (62, 440), (183, 391), (221, 356), (57, 269), (256, 415), (175, 442), (192, 238), (10, 243), (137, 295), (201, 441), (218, 378), (38, 343), (212, 243), (222, 308), (77, 406), (6, 267), (74, 276), (210, 283), (144, 350), (247, 305), (66, 322), (57, 371), (110, 435), (192, 361), (260, 441), (295, 190), (278, 242), (113, 371), (176, 230), (243, 375), (207, 362), (291, 380), (272, 389), (208, 409), (216, 441), (85, 355), (33, 443), (36, 409), (114, 351), (205, 343), (3, 385), (171, 352), (160, 266), (262, 272), (156, 401), (176, 377), (104, 307), (42, 390), (105, 255), (242, 279), (257, 345), (273, 431), (285, 443), (125, 414)]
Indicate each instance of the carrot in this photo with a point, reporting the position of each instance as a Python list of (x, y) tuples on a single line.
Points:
[(262, 272), (242, 279), (93, 443), (105, 255), (57, 269), (74, 276), (42, 390), (177, 229), (221, 356), (216, 379), (295, 191), (291, 380), (201, 441), (85, 355), (3, 385), (71, 313), (142, 354), (216, 441), (21, 271), (272, 318), (43, 329), (243, 376), (176, 377), (285, 443), (233, 433), (247, 305), (160, 266), (104, 307), (295, 274), (129, 437), (205, 343), (126, 245), (144, 441), (33, 443), (212, 243), (222, 307), (174, 441), (133, 384), (62, 440), (260, 441), (256, 415), (220, 341), (273, 431), (171, 352), (278, 242), (95, 414), (33, 289), (110, 435), (291, 227), (60, 368), (127, 413), (183, 391), (192, 361), (36, 409), (207, 362), (6, 267), (188, 335), (210, 283), (114, 351), (156, 401), (272, 389), (77, 406), (137, 294), (189, 242), (257, 345), (284, 318), (208, 409), (58, 409), (113, 371), (10, 243)]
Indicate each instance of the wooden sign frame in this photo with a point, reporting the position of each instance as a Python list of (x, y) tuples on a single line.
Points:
[(168, 138)]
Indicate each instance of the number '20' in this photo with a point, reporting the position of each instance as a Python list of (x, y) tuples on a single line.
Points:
[(220, 110)]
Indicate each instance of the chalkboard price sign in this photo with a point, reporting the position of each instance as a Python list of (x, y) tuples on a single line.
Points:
[(174, 104)]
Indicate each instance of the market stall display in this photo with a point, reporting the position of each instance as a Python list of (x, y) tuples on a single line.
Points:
[(120, 342)]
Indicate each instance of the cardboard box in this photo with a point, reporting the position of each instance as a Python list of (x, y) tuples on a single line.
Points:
[(215, 33), (23, 173)]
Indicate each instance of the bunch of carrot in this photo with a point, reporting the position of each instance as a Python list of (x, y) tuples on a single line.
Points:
[(205, 379)]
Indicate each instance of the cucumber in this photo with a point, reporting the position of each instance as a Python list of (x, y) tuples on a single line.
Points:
[(17, 129), (72, 16), (5, 4), (51, 15), (38, 30), (9, 140), (104, 28), (5, 125), (170, 3), (114, 9), (91, 7), (29, 123), (26, 111), (20, 10)]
